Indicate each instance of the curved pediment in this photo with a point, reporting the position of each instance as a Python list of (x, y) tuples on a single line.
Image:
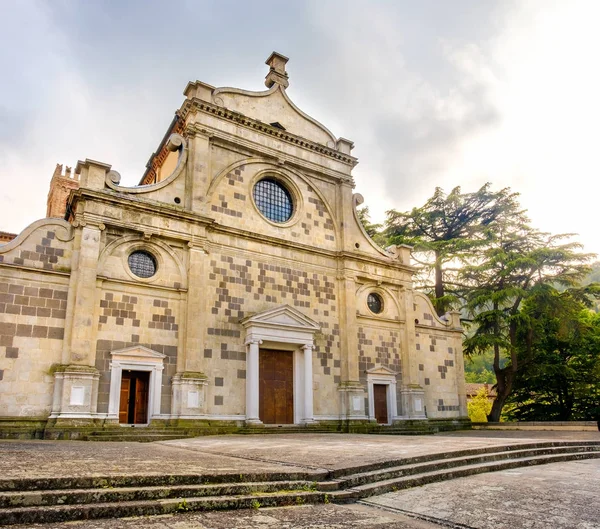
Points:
[(275, 108)]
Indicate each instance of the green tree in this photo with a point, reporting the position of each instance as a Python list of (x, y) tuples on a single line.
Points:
[(516, 260), (563, 335), (373, 230), (448, 230), (479, 406), (480, 368)]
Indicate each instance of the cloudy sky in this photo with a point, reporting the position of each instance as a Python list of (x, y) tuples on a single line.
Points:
[(433, 93)]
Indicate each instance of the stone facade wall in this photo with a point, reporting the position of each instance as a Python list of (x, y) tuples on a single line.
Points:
[(219, 264), (139, 317), (248, 284), (33, 310), (439, 355)]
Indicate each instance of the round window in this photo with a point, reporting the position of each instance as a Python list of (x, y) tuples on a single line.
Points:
[(375, 303), (273, 200), (142, 264)]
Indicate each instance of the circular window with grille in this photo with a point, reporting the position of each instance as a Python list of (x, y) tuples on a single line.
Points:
[(142, 264), (273, 200), (375, 303)]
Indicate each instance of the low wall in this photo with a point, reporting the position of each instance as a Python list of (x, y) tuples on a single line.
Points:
[(567, 426)]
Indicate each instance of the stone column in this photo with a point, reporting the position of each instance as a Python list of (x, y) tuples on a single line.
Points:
[(308, 384), (252, 388)]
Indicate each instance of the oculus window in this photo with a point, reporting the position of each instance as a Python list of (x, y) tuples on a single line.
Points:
[(142, 264), (273, 200), (375, 303)]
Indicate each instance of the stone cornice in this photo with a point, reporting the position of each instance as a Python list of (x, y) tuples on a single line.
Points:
[(250, 148), (133, 202), (100, 279), (332, 254), (282, 135)]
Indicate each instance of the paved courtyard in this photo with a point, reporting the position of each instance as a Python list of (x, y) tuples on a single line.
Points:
[(559, 495)]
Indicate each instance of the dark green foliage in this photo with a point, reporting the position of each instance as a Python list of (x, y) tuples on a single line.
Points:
[(559, 377), (480, 368), (448, 230), (373, 230), (517, 260), (478, 252)]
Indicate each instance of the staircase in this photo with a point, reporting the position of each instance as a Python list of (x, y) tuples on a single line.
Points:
[(28, 501), (149, 434)]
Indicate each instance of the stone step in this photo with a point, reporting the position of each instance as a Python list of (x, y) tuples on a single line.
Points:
[(151, 480), (384, 474), (65, 513), (137, 438), (120, 494), (391, 485), (459, 453), (65, 499)]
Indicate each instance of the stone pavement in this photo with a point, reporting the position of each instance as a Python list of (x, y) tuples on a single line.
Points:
[(557, 496), (561, 495), (241, 453)]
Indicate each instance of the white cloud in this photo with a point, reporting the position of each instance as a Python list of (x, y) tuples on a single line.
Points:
[(433, 94)]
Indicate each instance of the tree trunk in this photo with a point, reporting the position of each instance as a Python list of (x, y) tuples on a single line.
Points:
[(439, 286), (504, 378)]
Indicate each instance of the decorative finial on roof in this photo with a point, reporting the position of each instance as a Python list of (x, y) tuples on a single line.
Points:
[(277, 73)]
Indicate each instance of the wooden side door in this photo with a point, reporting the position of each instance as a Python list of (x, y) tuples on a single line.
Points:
[(276, 387), (124, 397), (141, 398), (380, 401)]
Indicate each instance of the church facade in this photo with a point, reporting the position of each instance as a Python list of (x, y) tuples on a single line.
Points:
[(234, 284)]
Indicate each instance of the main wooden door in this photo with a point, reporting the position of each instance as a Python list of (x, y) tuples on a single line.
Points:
[(133, 404), (276, 387), (380, 401)]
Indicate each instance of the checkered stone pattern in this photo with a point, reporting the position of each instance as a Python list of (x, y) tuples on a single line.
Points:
[(137, 318), (246, 286), (42, 250), (378, 347), (437, 371), (232, 204), (447, 407), (32, 319)]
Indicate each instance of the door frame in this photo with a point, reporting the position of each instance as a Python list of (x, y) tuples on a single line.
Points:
[(296, 374), (385, 377), (282, 328), (133, 389), (136, 358)]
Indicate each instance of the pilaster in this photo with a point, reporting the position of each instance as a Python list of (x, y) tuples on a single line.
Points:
[(189, 395), (198, 171), (411, 392), (196, 311)]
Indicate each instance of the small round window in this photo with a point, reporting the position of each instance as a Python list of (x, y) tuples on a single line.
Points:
[(273, 200), (142, 264), (375, 303)]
